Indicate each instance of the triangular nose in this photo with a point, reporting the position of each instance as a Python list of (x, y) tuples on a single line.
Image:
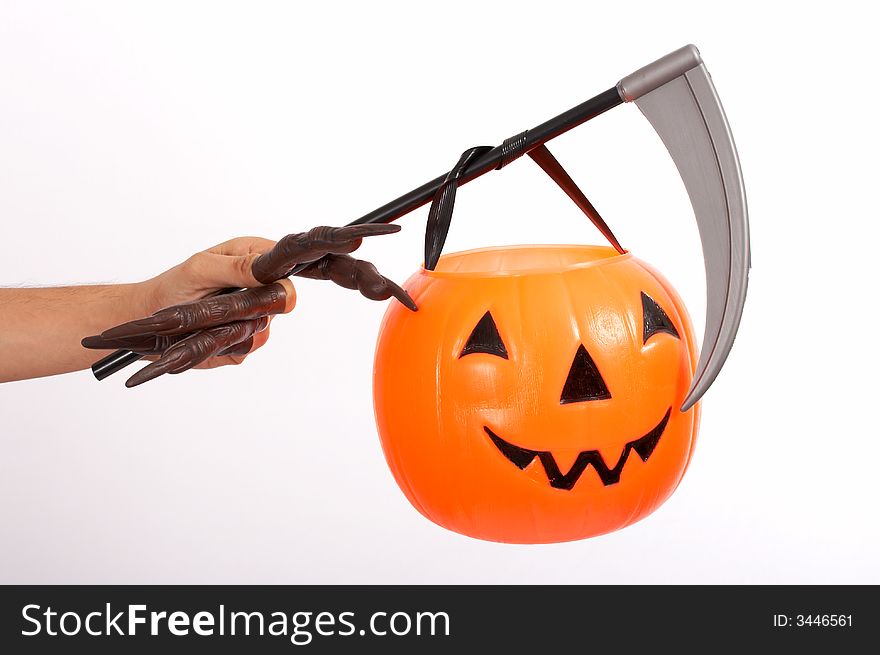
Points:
[(584, 381)]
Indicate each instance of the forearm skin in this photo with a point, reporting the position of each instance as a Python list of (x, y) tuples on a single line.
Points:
[(41, 328)]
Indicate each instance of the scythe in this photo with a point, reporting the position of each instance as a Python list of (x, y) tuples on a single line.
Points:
[(676, 95)]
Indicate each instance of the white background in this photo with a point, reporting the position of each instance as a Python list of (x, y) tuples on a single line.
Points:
[(134, 134)]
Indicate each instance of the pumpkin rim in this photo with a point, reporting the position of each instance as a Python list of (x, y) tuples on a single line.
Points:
[(600, 256)]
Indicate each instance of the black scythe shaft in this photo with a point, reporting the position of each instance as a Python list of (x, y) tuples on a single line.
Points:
[(493, 159)]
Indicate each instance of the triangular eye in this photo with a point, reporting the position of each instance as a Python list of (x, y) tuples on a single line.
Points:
[(485, 339), (655, 319), (584, 381)]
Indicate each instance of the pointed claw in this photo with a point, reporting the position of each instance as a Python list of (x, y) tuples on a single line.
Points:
[(242, 348), (196, 348), (166, 364), (360, 275), (187, 365), (96, 342), (400, 293), (138, 328), (147, 345), (296, 250), (352, 232)]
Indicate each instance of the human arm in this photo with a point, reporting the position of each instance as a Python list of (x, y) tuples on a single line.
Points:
[(41, 328)]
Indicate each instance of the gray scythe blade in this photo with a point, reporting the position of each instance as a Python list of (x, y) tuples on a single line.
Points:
[(677, 96)]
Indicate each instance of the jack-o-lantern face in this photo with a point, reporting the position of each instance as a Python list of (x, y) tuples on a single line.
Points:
[(535, 395)]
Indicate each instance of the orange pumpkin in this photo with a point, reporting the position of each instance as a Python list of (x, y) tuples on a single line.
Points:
[(535, 396)]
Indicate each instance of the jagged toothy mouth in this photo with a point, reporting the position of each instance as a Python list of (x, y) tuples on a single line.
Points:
[(522, 457)]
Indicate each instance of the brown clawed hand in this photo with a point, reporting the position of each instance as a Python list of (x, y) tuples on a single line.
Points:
[(327, 248), (143, 345), (152, 345), (191, 351), (305, 247), (198, 315), (222, 329), (184, 336), (357, 274)]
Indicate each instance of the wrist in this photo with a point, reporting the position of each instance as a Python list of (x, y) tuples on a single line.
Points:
[(144, 298)]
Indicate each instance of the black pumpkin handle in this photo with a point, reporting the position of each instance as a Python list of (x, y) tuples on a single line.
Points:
[(440, 214)]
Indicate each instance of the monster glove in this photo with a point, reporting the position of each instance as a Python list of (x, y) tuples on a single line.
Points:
[(186, 335)]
